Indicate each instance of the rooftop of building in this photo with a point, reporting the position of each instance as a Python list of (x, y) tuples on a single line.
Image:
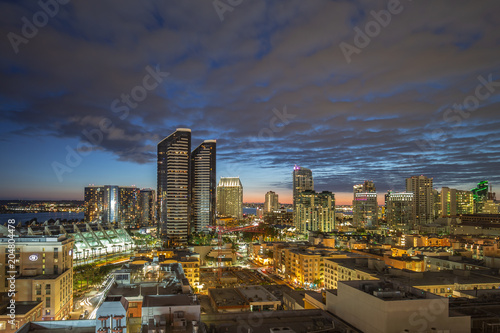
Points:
[(277, 289), (170, 300), (297, 295), (20, 239), (298, 321), (56, 326), (360, 264), (22, 308), (443, 277), (459, 259), (386, 291), (257, 294), (41, 277), (142, 289), (227, 297)]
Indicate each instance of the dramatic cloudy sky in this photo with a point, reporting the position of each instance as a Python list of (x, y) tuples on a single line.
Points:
[(269, 80)]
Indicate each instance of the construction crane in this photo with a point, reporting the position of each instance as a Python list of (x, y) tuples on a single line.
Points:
[(224, 230)]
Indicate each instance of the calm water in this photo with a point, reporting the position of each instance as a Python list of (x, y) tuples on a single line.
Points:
[(251, 211), (40, 217)]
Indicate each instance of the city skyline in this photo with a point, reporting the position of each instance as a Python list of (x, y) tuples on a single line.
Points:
[(312, 87)]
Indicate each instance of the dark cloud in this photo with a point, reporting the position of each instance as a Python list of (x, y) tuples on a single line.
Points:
[(374, 118)]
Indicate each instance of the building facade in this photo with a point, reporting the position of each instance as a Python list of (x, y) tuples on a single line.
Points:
[(302, 181), (174, 187), (423, 199), (315, 211), (271, 203), (44, 272), (203, 181), (399, 209), (94, 201), (365, 205), (128, 205), (147, 207), (230, 197), (111, 204), (456, 202)]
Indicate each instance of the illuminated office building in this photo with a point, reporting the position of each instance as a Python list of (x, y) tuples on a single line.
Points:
[(174, 187), (315, 211), (481, 195), (203, 184), (230, 197), (147, 207), (365, 205), (456, 202), (271, 202), (423, 199), (399, 209)]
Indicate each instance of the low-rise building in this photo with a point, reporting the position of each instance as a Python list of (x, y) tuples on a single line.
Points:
[(376, 306), (12, 317), (43, 271), (227, 300), (259, 298), (347, 269)]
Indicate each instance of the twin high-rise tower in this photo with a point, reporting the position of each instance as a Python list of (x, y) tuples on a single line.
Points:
[(186, 186)]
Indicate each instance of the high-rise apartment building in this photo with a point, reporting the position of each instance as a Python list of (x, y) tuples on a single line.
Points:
[(271, 203), (302, 181), (94, 201), (111, 204), (456, 202), (438, 208), (203, 184), (174, 186), (43, 270), (365, 204), (399, 209), (128, 205), (230, 197), (147, 207), (423, 199), (315, 211)]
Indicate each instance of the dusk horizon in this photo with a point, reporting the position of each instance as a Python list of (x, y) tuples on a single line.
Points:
[(314, 87)]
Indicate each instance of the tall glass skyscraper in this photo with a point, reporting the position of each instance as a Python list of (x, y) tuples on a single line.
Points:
[(302, 181), (203, 182), (230, 197), (111, 204), (174, 187)]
